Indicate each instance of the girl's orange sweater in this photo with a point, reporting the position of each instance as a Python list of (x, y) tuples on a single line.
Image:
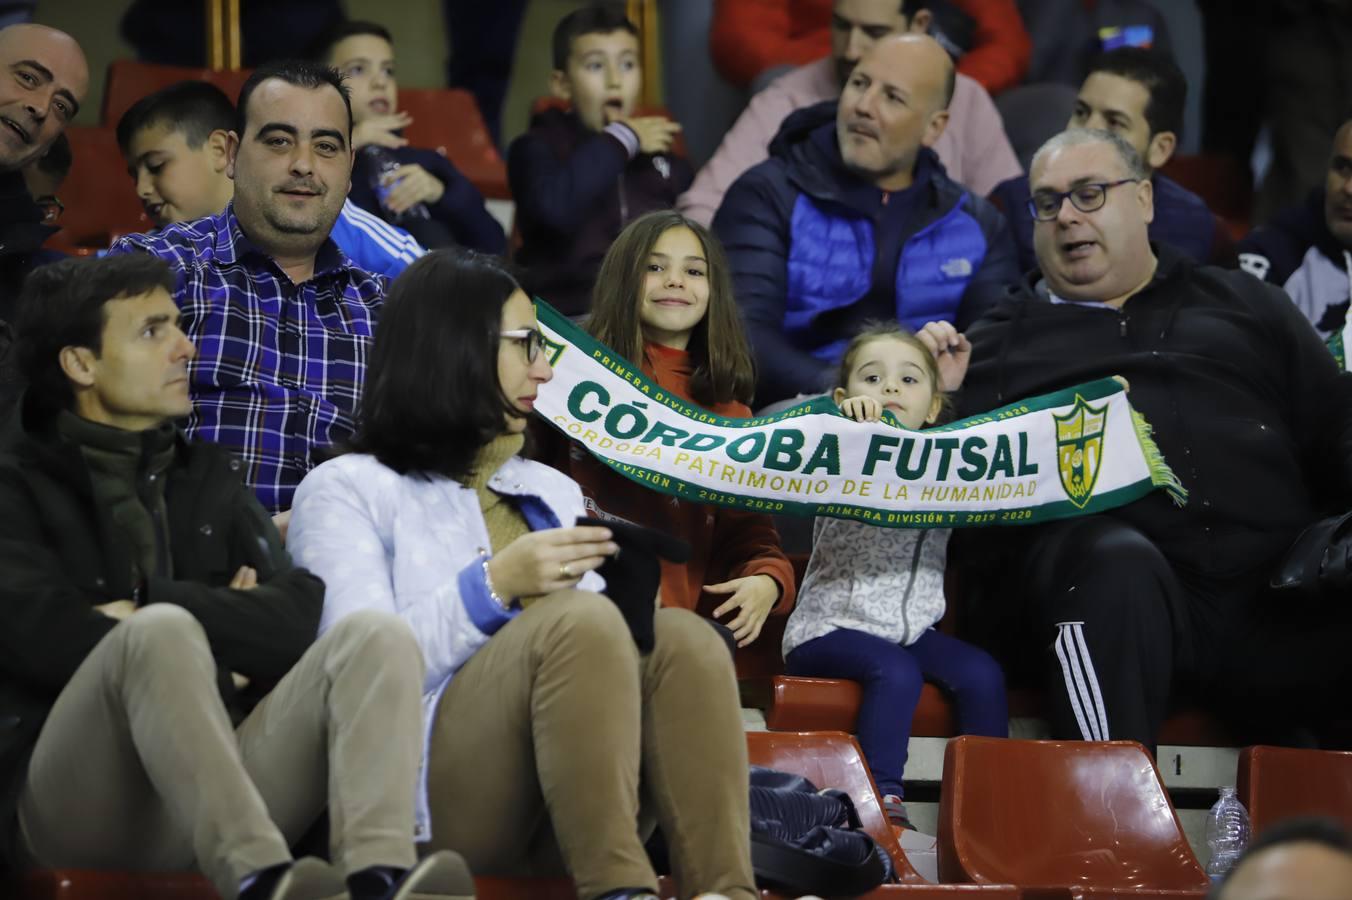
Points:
[(725, 543)]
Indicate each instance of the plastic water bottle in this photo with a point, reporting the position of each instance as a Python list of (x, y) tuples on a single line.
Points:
[(1227, 833), (382, 163)]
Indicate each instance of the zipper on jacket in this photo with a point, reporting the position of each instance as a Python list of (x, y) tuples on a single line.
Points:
[(1122, 324), (910, 588), (624, 204)]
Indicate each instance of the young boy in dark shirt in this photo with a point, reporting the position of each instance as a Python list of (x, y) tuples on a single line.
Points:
[(580, 174)]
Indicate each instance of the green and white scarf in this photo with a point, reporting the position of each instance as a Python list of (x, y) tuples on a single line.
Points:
[(1075, 452)]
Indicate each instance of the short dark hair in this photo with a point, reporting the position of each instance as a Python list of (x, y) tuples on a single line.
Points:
[(910, 7), (194, 108), (1319, 830), (432, 397), (342, 30), (62, 305), (303, 73), (58, 159), (1158, 74), (599, 18)]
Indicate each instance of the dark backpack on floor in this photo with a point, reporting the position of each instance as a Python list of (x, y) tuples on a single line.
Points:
[(808, 841)]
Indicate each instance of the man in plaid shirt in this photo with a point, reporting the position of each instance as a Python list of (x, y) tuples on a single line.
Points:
[(281, 318)]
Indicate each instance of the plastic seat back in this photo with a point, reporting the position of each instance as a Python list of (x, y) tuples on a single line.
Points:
[(1277, 783), (832, 759), (448, 121), (99, 195), (129, 81), (1061, 813), (82, 884)]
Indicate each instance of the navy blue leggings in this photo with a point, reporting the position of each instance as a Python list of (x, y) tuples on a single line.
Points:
[(892, 675)]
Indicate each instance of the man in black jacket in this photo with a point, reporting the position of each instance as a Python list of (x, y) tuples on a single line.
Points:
[(1124, 610), (162, 705), (1307, 249), (46, 80)]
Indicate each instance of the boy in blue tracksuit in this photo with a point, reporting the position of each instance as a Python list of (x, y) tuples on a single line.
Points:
[(426, 194), (852, 218)]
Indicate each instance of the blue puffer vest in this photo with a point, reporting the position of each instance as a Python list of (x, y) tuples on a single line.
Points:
[(832, 258), (847, 236)]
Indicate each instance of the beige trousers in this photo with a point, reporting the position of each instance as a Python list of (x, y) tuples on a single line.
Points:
[(138, 766), (547, 737)]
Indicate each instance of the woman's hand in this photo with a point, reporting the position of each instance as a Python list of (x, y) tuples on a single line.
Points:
[(862, 409), (551, 560), (410, 185), (755, 596), (951, 349)]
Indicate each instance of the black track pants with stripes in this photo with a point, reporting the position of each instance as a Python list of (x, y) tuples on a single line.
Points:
[(1117, 634), (1102, 595)]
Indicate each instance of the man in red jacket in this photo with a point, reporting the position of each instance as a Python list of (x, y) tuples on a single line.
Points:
[(750, 36)]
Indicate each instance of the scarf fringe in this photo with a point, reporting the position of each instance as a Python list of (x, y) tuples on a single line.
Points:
[(1161, 476)]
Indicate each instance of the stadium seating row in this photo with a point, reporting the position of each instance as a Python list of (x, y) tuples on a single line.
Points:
[(1031, 819)]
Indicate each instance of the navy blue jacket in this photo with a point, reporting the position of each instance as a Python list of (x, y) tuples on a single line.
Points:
[(460, 210), (816, 251), (575, 190), (1182, 220)]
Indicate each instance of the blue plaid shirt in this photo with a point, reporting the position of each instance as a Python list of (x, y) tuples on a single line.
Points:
[(279, 366)]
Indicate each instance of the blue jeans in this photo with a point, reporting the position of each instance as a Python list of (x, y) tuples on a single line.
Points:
[(892, 675)]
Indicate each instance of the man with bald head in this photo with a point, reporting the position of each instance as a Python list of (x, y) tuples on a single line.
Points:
[(1299, 859), (973, 147), (44, 82), (1121, 613), (48, 77), (852, 218)]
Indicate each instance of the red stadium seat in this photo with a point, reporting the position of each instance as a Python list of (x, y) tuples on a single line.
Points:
[(99, 195), (833, 759), (1277, 783), (1090, 818), (78, 884), (129, 81), (449, 122), (1223, 182)]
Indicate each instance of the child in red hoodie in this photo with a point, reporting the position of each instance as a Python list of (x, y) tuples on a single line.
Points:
[(663, 299)]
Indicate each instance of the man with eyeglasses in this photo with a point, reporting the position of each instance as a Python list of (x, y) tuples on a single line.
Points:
[(1123, 612), (44, 177), (1138, 94)]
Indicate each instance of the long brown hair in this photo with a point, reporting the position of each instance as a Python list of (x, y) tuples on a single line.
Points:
[(723, 366)]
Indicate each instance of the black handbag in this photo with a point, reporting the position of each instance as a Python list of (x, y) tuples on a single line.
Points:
[(809, 841), (1318, 566), (634, 574)]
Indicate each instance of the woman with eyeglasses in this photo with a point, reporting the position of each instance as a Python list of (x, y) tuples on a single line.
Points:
[(541, 711)]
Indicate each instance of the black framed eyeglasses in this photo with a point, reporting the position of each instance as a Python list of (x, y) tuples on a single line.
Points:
[(51, 207), (1046, 205), (529, 338)]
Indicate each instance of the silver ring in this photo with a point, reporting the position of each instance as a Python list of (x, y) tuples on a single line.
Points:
[(565, 572)]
